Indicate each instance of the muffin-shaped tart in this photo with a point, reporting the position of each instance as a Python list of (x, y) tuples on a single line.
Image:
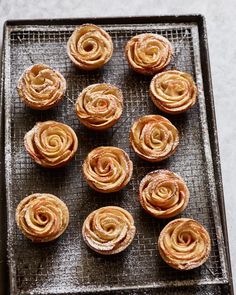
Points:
[(148, 53), (154, 138), (89, 47), (184, 244), (109, 230), (99, 106), (107, 169), (51, 144), (40, 87), (173, 92), (163, 194), (42, 217)]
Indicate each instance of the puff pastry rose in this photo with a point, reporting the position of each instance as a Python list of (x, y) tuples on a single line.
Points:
[(51, 144), (163, 194), (99, 106), (89, 47), (154, 138), (107, 169), (184, 244), (148, 53), (42, 217), (109, 230), (40, 87), (173, 92)]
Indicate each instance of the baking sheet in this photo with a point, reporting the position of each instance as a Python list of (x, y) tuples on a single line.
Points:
[(67, 265)]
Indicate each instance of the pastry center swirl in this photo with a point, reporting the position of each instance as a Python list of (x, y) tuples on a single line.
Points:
[(184, 243), (90, 47), (51, 143), (42, 217), (109, 230), (107, 169), (41, 87), (163, 194), (148, 53), (153, 137), (99, 106), (173, 91)]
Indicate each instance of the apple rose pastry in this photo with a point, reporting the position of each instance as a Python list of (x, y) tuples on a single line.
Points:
[(51, 144), (184, 244), (107, 169), (173, 92), (41, 87), (89, 47), (154, 138), (163, 194), (42, 217), (148, 53), (99, 106), (109, 230)]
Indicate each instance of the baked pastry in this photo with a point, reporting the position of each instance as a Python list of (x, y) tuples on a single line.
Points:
[(89, 47), (109, 230), (148, 53), (99, 106), (42, 217), (163, 194), (51, 144), (173, 92), (40, 87), (184, 244), (154, 138), (107, 169)]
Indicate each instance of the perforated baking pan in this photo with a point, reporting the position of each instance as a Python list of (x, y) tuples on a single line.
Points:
[(67, 266)]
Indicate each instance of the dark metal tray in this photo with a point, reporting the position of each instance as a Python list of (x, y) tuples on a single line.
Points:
[(67, 266)]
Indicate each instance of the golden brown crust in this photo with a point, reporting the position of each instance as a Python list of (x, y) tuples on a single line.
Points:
[(41, 87), (107, 169), (89, 47), (163, 194), (99, 106), (173, 92), (148, 53), (51, 144), (42, 217), (184, 244), (109, 230), (154, 138)]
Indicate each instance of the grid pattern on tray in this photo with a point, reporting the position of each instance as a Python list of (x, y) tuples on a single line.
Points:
[(67, 265)]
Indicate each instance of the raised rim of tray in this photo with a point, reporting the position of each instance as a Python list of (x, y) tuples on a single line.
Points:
[(211, 117)]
